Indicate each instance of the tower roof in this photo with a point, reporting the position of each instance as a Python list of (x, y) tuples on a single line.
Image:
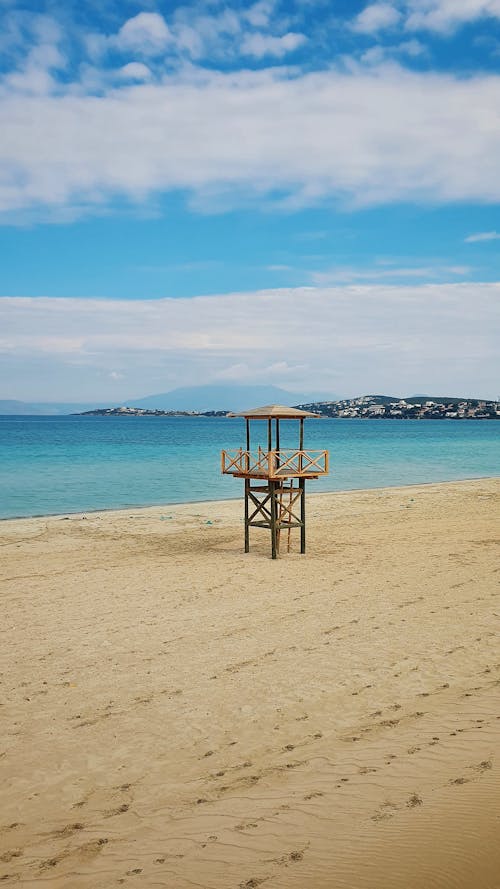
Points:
[(274, 411)]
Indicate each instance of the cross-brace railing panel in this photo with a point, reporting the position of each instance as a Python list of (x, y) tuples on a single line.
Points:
[(283, 463)]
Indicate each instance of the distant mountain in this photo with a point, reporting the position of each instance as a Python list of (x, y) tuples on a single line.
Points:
[(222, 398), (188, 398)]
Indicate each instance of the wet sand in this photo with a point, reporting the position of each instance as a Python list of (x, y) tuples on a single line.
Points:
[(178, 714)]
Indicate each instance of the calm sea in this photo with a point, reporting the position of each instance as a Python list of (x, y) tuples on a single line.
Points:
[(51, 465)]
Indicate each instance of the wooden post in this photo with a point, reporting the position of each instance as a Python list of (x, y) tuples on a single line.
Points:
[(247, 529), (301, 442), (279, 512), (274, 548), (302, 486), (278, 441)]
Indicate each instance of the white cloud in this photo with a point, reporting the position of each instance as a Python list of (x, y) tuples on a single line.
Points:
[(382, 272), (259, 14), (439, 16), (135, 71), (482, 236), (380, 55), (412, 48), (259, 45), (34, 73), (365, 136), (146, 33), (445, 16), (202, 35), (376, 17), (352, 338)]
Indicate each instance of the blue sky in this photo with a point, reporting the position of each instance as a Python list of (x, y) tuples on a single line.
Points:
[(286, 151)]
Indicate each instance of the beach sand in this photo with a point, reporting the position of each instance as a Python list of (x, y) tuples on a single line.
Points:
[(178, 714)]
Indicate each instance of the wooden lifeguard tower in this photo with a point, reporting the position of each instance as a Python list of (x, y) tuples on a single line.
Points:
[(273, 502)]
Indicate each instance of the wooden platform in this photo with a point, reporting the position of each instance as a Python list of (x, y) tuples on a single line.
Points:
[(274, 464)]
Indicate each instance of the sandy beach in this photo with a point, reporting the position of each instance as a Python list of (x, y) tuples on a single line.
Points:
[(178, 714)]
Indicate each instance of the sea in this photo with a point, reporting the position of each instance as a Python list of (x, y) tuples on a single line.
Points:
[(73, 464)]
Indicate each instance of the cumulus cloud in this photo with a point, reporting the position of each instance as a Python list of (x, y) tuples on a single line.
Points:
[(260, 45), (439, 16), (259, 14), (351, 339), (380, 54), (444, 16), (135, 71), (376, 17), (33, 69), (146, 33)]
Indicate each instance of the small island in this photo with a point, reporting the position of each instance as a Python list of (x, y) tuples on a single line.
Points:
[(143, 412)]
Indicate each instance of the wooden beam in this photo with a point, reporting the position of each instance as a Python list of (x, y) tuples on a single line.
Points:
[(301, 442), (274, 540), (302, 486), (247, 532)]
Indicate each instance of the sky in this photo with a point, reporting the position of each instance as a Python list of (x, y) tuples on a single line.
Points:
[(299, 192)]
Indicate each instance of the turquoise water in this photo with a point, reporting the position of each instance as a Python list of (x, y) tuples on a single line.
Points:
[(51, 465)]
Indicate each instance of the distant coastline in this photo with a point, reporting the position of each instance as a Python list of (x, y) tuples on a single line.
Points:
[(365, 407), (144, 412)]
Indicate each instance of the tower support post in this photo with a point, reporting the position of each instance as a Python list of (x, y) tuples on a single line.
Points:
[(274, 522), (247, 527), (302, 486)]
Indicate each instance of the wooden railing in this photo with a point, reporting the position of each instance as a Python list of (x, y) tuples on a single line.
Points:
[(275, 464)]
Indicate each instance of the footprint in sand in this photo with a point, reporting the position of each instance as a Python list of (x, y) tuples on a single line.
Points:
[(483, 766), (387, 810), (120, 810), (252, 883), (8, 856), (68, 830), (12, 826)]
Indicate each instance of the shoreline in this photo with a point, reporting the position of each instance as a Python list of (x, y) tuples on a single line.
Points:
[(178, 712), (168, 504)]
